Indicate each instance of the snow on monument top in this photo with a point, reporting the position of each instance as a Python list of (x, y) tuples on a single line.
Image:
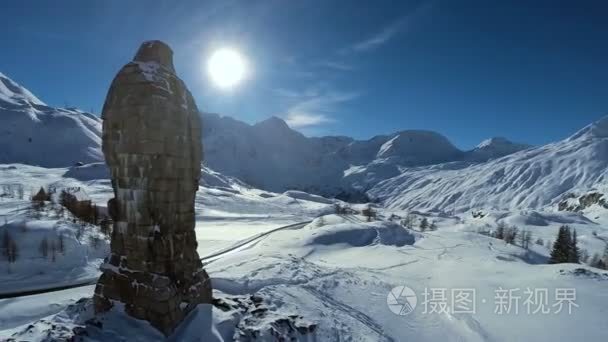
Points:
[(155, 51)]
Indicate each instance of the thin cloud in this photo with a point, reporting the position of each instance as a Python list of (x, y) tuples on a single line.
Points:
[(302, 120), (314, 106), (335, 65), (379, 38), (388, 32)]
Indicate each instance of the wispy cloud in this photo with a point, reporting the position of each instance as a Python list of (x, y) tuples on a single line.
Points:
[(340, 66), (388, 32), (301, 120), (313, 106), (379, 38)]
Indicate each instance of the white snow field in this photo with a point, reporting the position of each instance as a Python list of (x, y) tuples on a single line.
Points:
[(337, 273), (227, 211)]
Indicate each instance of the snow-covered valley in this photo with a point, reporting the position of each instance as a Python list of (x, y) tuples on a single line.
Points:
[(336, 273), (284, 262)]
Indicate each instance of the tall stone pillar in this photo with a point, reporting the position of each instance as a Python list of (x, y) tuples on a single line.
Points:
[(152, 145)]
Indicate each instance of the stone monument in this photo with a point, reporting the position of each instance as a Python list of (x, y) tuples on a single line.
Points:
[(152, 145)]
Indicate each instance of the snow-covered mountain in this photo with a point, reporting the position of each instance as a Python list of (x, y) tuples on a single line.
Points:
[(493, 148), (33, 133), (532, 178), (268, 155), (271, 155)]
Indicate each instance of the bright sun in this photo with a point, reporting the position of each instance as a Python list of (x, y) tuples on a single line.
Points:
[(226, 67)]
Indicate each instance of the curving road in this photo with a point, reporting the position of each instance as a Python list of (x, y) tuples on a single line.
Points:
[(215, 255), (206, 260)]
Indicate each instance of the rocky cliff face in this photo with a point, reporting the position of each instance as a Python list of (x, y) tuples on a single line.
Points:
[(152, 145)]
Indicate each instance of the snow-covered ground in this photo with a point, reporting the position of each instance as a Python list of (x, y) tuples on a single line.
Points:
[(338, 272), (334, 277), (227, 211)]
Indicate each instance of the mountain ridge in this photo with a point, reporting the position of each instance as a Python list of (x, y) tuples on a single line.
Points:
[(412, 169), (326, 165), (533, 178)]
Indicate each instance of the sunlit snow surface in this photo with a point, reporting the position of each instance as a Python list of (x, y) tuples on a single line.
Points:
[(336, 271)]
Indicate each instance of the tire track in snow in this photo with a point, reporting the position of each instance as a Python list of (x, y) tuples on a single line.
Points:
[(350, 311)]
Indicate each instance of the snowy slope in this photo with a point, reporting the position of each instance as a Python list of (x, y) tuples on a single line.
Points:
[(493, 148), (251, 153), (33, 133), (339, 273), (532, 178)]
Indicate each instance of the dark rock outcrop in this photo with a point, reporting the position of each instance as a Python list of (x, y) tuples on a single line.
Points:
[(256, 321), (152, 145), (574, 204)]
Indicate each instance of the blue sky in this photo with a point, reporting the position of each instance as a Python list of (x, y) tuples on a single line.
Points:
[(532, 71)]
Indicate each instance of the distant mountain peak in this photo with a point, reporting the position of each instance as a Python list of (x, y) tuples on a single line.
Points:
[(14, 93), (273, 122), (495, 147), (419, 147), (495, 141)]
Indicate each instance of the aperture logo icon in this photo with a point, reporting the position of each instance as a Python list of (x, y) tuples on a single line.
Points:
[(401, 300)]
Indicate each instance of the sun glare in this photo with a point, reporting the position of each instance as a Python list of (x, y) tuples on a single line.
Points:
[(226, 68)]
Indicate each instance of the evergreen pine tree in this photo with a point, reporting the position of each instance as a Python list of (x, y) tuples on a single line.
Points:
[(6, 242), (53, 251), (510, 235), (528, 239), (61, 243), (575, 254), (500, 230), (13, 251), (424, 224), (562, 248), (409, 221), (44, 247)]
